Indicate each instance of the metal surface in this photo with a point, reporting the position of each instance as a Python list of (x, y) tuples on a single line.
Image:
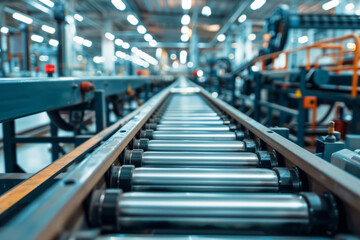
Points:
[(347, 160), (193, 135), (221, 128), (77, 184), (188, 145), (199, 159), (204, 180), (203, 237), (264, 212)]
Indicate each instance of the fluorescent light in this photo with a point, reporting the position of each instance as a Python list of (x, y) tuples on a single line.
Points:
[(37, 38), (43, 58), (54, 42), (78, 40), (190, 64), (206, 11), (175, 64), (120, 54), (257, 4), (357, 12), (331, 4), (184, 29), (110, 36), (186, 4), (242, 18), (141, 29), (69, 19), (148, 37), (119, 4), (255, 68), (184, 38), (87, 43), (4, 30), (48, 29), (303, 39), (98, 59), (185, 19), (351, 46), (47, 3), (125, 45), (221, 38), (200, 73), (22, 18), (78, 17), (349, 6), (118, 42), (252, 37), (132, 19), (173, 56), (153, 43), (183, 56)]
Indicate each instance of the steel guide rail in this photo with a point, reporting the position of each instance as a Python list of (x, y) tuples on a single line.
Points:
[(116, 210)]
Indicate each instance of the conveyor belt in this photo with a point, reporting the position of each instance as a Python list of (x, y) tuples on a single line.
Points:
[(184, 166)]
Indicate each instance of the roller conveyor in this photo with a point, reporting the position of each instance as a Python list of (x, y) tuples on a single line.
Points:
[(184, 166)]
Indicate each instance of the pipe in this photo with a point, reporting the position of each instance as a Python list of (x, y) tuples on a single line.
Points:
[(261, 213), (129, 178)]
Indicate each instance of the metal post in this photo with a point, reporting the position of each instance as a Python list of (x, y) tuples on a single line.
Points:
[(25, 42), (233, 97), (11, 165), (147, 91), (59, 15), (301, 117), (55, 148), (100, 110), (258, 80)]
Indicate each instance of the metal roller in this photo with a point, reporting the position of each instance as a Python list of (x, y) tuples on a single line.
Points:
[(184, 122), (192, 135), (162, 127), (203, 237), (190, 118), (211, 114), (189, 145), (129, 178), (264, 213), (140, 158)]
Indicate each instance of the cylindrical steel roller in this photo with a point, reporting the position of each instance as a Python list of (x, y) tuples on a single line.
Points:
[(265, 213), (140, 158), (226, 236), (162, 127), (188, 118), (180, 122), (166, 114), (129, 178), (189, 145), (192, 135)]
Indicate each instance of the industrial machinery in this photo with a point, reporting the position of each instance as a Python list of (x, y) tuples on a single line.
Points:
[(186, 165), (278, 91)]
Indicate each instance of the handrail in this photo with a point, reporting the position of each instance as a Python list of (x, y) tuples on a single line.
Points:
[(326, 44)]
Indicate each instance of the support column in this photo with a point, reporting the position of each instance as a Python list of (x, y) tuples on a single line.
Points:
[(108, 50), (24, 28), (194, 50), (59, 15), (100, 110)]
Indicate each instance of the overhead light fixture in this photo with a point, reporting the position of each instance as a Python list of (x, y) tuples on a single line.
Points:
[(257, 4), (173, 56), (190, 64), (132, 19), (78, 17), (175, 64), (200, 73), (110, 36), (186, 4), (252, 37), (125, 45), (4, 30), (331, 4), (349, 6), (184, 29), (242, 18), (43, 58), (98, 59), (183, 56), (118, 42), (22, 18), (221, 38), (141, 29), (78, 40), (48, 29), (303, 39), (184, 37), (54, 42), (148, 37), (48, 3), (37, 38), (119, 4), (357, 12), (87, 43), (185, 19), (153, 43), (206, 11)]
